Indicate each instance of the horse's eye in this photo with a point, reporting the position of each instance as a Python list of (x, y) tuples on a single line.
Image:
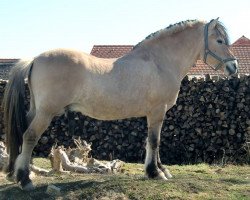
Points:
[(219, 41)]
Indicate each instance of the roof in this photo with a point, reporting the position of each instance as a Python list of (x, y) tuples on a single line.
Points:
[(243, 41), (240, 48), (110, 51), (8, 60)]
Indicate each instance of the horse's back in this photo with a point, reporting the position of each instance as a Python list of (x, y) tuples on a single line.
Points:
[(100, 88), (58, 76)]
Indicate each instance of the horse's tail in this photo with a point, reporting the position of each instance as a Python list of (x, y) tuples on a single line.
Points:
[(14, 111)]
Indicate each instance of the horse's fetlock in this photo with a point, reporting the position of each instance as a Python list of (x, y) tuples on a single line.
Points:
[(22, 176), (152, 170)]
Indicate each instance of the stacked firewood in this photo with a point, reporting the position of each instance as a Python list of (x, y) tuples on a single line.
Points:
[(3, 156), (2, 86), (210, 123)]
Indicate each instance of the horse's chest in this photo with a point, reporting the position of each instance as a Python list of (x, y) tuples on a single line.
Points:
[(166, 95)]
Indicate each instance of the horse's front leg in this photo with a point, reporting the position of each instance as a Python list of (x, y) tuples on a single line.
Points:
[(153, 166)]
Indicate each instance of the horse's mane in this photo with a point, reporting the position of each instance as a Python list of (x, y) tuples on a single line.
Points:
[(180, 26), (170, 30)]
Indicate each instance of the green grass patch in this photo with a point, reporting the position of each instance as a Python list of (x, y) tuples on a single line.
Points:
[(189, 182)]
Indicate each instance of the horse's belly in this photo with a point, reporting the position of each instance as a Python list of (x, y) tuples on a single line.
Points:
[(107, 112)]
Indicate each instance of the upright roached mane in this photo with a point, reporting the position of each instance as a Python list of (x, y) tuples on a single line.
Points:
[(145, 82), (170, 30)]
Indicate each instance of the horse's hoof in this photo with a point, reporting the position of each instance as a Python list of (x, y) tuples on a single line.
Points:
[(158, 176), (167, 173), (161, 176), (28, 187), (155, 173)]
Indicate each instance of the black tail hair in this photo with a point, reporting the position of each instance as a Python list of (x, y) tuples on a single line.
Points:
[(14, 112)]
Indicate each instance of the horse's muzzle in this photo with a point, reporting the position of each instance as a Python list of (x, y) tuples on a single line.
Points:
[(231, 68)]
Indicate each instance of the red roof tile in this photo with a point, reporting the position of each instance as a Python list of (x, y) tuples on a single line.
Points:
[(243, 41), (240, 48), (200, 68), (8, 60)]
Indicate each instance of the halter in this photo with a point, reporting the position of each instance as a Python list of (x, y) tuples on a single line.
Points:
[(209, 52)]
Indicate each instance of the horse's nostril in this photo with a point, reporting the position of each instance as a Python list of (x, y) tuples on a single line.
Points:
[(232, 69)]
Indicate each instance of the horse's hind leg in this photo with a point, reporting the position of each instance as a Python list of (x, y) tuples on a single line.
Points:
[(30, 116), (155, 120), (30, 138)]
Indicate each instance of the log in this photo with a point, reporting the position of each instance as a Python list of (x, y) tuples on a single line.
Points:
[(77, 160), (61, 162)]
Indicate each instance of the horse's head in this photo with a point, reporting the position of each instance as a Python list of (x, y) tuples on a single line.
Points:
[(217, 53)]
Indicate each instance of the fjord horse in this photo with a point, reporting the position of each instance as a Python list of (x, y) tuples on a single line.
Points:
[(144, 82)]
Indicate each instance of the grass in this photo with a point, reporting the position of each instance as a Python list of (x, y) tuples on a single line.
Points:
[(190, 182)]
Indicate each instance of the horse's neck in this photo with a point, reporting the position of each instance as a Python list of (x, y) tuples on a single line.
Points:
[(180, 52)]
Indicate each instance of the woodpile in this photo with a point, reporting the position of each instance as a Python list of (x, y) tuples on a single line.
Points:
[(3, 156), (210, 123), (2, 86)]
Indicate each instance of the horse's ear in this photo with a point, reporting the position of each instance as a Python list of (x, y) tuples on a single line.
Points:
[(213, 23)]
